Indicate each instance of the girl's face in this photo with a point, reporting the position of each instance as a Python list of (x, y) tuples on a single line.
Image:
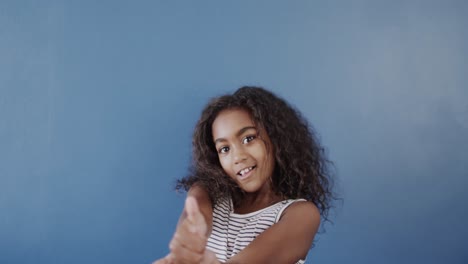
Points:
[(242, 151)]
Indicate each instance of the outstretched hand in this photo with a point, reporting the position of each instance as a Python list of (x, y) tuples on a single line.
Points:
[(208, 258), (189, 241)]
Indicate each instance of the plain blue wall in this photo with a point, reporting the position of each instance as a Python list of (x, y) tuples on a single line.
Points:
[(98, 100)]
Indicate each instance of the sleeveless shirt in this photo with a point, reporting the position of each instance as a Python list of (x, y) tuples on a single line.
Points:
[(232, 232)]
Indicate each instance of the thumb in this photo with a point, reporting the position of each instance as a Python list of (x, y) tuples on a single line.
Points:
[(194, 215)]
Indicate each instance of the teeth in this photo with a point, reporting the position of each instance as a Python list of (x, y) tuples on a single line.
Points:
[(244, 171)]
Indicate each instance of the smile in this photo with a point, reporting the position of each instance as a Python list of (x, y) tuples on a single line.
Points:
[(244, 173)]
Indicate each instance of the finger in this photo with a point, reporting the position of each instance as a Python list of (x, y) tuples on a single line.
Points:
[(209, 258), (170, 258), (188, 239), (195, 216), (164, 260), (191, 241), (181, 254), (193, 211)]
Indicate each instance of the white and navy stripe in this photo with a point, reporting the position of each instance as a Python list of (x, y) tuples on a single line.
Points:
[(233, 232)]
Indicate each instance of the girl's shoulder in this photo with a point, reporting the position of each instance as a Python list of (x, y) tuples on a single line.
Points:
[(225, 207), (300, 209)]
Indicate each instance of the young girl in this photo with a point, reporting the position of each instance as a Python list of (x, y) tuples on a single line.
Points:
[(258, 186)]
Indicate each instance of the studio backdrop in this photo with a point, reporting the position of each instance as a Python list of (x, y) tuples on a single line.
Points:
[(98, 101)]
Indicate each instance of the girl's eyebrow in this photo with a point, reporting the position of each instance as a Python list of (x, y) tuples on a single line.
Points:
[(240, 132)]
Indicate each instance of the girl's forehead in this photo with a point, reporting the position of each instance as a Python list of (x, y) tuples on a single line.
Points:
[(231, 121), (235, 114)]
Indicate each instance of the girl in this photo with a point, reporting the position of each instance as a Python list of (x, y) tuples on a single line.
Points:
[(258, 185)]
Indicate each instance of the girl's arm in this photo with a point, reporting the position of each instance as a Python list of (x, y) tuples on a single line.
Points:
[(286, 241)]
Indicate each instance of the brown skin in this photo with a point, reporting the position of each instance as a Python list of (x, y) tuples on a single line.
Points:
[(194, 227), (239, 146), (302, 169), (285, 242)]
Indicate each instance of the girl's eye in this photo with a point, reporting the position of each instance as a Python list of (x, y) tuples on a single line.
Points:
[(223, 150), (248, 139)]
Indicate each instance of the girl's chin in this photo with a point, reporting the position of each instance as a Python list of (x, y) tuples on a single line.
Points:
[(249, 187)]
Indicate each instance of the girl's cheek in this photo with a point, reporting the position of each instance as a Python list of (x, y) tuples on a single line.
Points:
[(223, 164)]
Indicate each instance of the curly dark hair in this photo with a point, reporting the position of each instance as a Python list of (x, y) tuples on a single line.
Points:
[(301, 167)]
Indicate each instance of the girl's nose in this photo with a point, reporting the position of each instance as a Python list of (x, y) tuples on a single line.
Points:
[(239, 156)]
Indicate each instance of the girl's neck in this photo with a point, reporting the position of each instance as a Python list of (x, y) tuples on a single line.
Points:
[(252, 202)]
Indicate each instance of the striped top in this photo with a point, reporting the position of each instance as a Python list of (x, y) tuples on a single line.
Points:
[(232, 232)]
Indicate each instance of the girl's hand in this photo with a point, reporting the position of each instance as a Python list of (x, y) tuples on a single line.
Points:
[(166, 260), (189, 241), (209, 258)]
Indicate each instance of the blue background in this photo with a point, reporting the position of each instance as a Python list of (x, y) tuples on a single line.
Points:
[(98, 100)]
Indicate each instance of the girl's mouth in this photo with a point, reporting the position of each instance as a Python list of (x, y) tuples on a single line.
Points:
[(245, 173)]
